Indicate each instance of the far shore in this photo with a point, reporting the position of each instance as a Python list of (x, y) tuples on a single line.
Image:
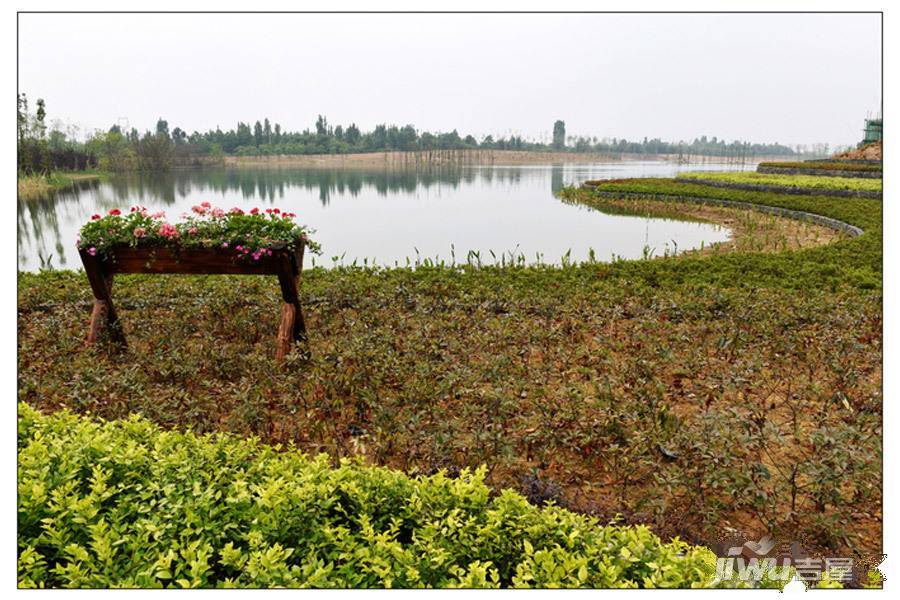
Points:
[(467, 157)]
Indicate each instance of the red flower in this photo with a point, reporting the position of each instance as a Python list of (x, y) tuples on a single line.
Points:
[(255, 211), (276, 211), (95, 217), (115, 212)]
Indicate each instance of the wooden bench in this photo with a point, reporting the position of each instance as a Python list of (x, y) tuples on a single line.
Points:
[(283, 262)]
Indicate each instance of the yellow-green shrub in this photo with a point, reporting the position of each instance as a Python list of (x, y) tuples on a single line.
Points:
[(127, 504)]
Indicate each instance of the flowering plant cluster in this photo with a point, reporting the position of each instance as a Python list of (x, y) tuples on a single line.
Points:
[(251, 234)]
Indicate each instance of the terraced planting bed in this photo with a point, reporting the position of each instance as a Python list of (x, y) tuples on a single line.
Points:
[(833, 168), (790, 184), (733, 388)]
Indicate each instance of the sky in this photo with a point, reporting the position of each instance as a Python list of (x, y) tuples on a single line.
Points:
[(789, 78)]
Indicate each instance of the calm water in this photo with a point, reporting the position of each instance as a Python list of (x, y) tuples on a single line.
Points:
[(386, 217)]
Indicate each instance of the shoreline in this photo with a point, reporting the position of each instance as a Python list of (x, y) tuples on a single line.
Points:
[(29, 186), (470, 158)]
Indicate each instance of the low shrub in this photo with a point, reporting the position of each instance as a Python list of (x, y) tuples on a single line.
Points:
[(789, 181), (831, 165), (127, 504)]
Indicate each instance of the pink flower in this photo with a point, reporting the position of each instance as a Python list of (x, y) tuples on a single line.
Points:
[(168, 231), (218, 212), (238, 247), (199, 210), (236, 211), (95, 217), (224, 244), (139, 232), (193, 231), (92, 251), (206, 205), (158, 215), (115, 212)]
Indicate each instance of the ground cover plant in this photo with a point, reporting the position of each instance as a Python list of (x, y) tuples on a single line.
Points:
[(693, 394), (126, 504), (793, 181), (825, 165)]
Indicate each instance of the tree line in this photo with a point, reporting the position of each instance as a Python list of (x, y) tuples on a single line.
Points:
[(43, 149)]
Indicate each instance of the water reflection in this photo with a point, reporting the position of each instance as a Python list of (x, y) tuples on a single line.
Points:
[(377, 215)]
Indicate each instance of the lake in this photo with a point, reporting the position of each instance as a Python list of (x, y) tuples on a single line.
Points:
[(387, 217)]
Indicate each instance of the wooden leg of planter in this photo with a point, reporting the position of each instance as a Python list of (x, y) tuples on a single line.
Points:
[(285, 331), (292, 328), (103, 315)]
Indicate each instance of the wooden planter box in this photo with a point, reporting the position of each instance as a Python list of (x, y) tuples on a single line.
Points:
[(286, 264)]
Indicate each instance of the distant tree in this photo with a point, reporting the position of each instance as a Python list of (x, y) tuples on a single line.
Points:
[(559, 135), (179, 136), (39, 127), (321, 126), (267, 131), (22, 116), (162, 127), (154, 152), (258, 133), (114, 150), (352, 135)]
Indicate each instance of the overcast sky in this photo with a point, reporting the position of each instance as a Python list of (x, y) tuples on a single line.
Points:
[(788, 78)]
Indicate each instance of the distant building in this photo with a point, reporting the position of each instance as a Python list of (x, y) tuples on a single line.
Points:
[(872, 131)]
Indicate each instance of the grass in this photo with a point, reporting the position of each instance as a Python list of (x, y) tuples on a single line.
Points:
[(35, 186), (798, 181)]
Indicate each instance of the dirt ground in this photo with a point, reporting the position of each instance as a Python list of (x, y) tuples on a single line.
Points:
[(871, 151)]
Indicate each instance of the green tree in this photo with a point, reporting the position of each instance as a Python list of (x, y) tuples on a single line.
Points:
[(258, 134), (321, 126), (162, 127), (39, 127), (114, 151)]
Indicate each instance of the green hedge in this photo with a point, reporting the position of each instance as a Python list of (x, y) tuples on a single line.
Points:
[(835, 165), (812, 182), (127, 504)]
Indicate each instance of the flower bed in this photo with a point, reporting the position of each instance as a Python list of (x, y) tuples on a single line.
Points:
[(248, 235)]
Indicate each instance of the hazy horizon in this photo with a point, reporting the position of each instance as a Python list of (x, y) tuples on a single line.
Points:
[(788, 78)]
